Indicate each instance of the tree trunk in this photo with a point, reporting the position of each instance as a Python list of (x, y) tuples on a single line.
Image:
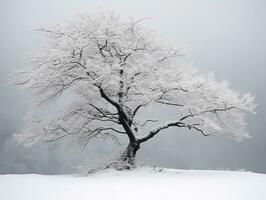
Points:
[(128, 157)]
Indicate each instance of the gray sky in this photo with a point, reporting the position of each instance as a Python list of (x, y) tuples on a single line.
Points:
[(226, 37)]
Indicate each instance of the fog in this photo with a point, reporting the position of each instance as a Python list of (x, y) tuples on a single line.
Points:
[(226, 37)]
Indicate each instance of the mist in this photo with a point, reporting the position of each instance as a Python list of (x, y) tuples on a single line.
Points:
[(225, 37)]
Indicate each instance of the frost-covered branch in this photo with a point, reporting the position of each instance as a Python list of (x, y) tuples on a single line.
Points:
[(114, 70), (171, 124)]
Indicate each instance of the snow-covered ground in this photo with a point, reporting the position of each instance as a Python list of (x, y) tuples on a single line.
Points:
[(138, 184)]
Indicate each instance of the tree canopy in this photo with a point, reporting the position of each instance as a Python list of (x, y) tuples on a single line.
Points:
[(114, 67)]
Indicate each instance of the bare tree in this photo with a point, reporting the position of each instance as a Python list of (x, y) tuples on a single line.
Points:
[(115, 69)]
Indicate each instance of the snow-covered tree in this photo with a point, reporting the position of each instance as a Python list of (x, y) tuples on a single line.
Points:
[(115, 68)]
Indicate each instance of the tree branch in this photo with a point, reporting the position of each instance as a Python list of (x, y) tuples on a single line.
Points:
[(149, 120), (123, 118), (214, 110), (171, 124)]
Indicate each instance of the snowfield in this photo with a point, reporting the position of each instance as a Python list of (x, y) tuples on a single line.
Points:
[(138, 184)]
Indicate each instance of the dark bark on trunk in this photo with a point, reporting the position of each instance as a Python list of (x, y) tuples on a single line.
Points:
[(128, 157)]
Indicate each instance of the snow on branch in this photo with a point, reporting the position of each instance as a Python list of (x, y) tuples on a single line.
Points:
[(115, 69)]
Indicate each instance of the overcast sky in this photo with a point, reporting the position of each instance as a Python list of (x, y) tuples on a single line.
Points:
[(226, 37)]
